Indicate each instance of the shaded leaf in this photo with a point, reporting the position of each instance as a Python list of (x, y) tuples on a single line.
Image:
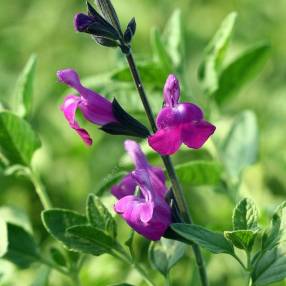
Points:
[(245, 215), (57, 221), (270, 268), (240, 147), (241, 70), (165, 253), (22, 104), (18, 141), (58, 257), (22, 249), (213, 241)]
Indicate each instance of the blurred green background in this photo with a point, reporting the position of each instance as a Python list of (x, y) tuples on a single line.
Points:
[(70, 170)]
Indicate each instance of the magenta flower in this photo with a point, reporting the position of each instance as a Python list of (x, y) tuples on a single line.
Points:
[(179, 123), (93, 106), (148, 213)]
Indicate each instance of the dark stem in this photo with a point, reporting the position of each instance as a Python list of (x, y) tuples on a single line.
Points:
[(177, 188)]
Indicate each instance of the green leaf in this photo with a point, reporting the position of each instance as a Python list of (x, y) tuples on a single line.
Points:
[(270, 268), (24, 89), (151, 73), (213, 241), (93, 241), (18, 141), (277, 233), (108, 182), (99, 216), (215, 54), (242, 239), (245, 215), (173, 39), (241, 70), (165, 253), (160, 52), (240, 147), (198, 173), (58, 257), (42, 277), (122, 284), (3, 237), (57, 221), (22, 249)]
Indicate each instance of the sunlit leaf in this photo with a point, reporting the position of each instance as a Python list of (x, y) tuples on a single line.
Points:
[(198, 173), (245, 215), (22, 104), (243, 69), (3, 237), (243, 239)]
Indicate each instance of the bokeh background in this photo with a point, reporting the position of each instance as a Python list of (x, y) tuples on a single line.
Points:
[(70, 170)]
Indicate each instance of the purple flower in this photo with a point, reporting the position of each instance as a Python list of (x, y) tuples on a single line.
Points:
[(179, 123), (94, 107), (148, 213)]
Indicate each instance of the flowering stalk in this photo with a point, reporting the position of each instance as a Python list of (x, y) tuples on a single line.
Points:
[(177, 188)]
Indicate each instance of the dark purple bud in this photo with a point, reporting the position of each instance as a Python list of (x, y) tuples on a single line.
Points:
[(82, 22)]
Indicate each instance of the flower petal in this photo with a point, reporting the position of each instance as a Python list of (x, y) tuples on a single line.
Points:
[(171, 91), (166, 141), (95, 107), (194, 135), (69, 108), (136, 154), (125, 188)]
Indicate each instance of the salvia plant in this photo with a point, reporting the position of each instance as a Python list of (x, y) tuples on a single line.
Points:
[(154, 201)]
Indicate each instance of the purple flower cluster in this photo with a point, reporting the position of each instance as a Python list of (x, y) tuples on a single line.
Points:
[(141, 193)]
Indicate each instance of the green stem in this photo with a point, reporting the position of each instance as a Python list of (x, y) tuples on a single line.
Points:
[(167, 280), (177, 189), (240, 262), (40, 190)]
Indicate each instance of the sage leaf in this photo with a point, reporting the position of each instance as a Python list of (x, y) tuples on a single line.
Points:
[(198, 173), (99, 216), (24, 89), (240, 147), (243, 69), (245, 215), (22, 249), (213, 241), (165, 253), (18, 141), (57, 221)]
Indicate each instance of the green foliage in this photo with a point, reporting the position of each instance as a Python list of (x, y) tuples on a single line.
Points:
[(240, 146), (58, 257), (18, 141), (245, 215), (58, 221), (213, 241), (165, 254), (198, 173), (243, 239), (22, 249), (215, 53), (91, 240), (99, 216), (22, 104), (244, 68)]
